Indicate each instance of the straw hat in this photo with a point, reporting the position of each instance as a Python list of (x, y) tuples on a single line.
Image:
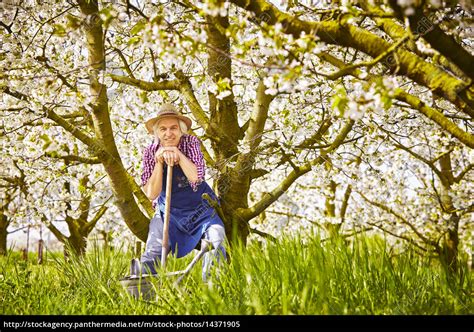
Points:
[(167, 111)]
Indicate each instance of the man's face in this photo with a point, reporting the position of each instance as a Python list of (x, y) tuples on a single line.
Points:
[(168, 131)]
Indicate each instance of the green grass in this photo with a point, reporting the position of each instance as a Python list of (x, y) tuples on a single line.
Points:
[(290, 277)]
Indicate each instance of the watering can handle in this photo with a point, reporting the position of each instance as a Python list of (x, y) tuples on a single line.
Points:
[(165, 243)]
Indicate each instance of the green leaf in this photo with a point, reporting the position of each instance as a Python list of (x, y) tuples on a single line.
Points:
[(138, 27), (108, 16), (387, 101), (340, 101), (45, 138), (82, 189), (73, 22), (53, 153), (59, 30), (46, 145), (134, 40), (47, 141), (144, 97)]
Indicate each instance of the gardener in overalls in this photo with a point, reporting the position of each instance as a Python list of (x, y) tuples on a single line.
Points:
[(191, 216)]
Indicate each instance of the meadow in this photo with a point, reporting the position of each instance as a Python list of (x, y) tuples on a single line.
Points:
[(310, 277)]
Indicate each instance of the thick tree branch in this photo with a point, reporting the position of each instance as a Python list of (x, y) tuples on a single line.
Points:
[(223, 112), (125, 63), (440, 41), (317, 136), (140, 196), (91, 224), (256, 173), (80, 135), (253, 136), (439, 156), (345, 203), (85, 202), (186, 89), (220, 212), (69, 158), (145, 85), (182, 84), (461, 175), (133, 216), (259, 116), (270, 197), (207, 156), (60, 236), (396, 31), (399, 94), (436, 116), (333, 32)]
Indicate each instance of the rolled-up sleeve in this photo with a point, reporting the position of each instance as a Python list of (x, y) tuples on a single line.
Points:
[(195, 155), (148, 164)]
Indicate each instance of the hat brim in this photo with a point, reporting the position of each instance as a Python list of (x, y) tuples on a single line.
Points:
[(151, 122)]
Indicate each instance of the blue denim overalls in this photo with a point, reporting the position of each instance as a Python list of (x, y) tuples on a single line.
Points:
[(191, 218)]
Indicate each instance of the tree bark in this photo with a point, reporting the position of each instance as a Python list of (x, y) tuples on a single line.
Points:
[(134, 218), (232, 186), (420, 23), (438, 117), (223, 112), (330, 210), (449, 253), (396, 31), (79, 228), (402, 62), (4, 222), (77, 242), (3, 234)]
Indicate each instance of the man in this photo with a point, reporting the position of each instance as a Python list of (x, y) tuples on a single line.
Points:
[(191, 216)]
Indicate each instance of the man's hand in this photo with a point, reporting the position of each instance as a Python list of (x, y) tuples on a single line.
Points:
[(169, 154)]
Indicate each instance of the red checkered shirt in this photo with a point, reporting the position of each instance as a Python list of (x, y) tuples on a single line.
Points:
[(189, 145)]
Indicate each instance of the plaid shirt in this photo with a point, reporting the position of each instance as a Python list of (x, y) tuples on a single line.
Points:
[(189, 145)]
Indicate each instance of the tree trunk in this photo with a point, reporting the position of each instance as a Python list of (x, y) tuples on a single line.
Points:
[(40, 251), (233, 192), (223, 113), (4, 222), (77, 243), (3, 234), (136, 221), (449, 256), (449, 253), (79, 230), (232, 188), (330, 210)]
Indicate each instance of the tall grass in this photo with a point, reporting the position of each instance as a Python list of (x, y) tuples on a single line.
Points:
[(288, 277)]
